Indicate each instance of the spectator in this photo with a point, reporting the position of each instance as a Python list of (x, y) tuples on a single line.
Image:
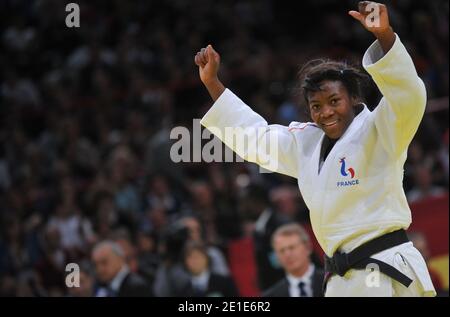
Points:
[(50, 269), (424, 185), (293, 248), (218, 263), (147, 255), (114, 277), (202, 281)]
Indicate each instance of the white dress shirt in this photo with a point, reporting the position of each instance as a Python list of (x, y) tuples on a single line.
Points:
[(294, 290)]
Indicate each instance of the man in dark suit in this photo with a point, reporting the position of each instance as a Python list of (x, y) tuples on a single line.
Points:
[(293, 249), (114, 277)]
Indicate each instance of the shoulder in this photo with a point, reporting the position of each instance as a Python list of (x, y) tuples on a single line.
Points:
[(135, 286), (278, 289), (307, 133), (303, 126), (318, 272), (317, 282)]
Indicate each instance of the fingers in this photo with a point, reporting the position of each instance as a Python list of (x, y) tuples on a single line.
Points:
[(197, 60), (201, 58), (212, 54), (362, 7), (205, 55), (364, 10), (356, 15), (372, 15)]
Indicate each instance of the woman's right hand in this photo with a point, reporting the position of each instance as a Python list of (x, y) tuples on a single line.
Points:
[(208, 62)]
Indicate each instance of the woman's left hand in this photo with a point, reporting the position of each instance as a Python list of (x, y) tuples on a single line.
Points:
[(373, 16)]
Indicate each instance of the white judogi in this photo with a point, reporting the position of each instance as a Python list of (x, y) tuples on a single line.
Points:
[(357, 195)]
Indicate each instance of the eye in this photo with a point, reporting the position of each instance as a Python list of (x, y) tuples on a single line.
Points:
[(315, 107), (334, 101)]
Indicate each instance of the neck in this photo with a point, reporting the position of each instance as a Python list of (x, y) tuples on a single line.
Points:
[(299, 272)]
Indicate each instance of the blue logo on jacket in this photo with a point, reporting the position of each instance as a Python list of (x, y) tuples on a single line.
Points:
[(347, 172)]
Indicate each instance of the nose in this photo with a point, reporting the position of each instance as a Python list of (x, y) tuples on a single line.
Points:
[(327, 112)]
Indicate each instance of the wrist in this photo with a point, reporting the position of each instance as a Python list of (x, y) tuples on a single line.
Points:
[(384, 33), (215, 88), (213, 81)]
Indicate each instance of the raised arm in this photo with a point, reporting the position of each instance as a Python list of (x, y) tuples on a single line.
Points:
[(208, 62), (401, 109), (272, 147)]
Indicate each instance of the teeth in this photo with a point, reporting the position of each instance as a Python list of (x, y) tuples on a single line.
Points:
[(331, 123)]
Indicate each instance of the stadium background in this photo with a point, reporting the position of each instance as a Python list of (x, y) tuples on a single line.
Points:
[(86, 113)]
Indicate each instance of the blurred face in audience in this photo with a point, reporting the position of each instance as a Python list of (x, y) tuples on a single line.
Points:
[(196, 262), (145, 243), (202, 195), (423, 177), (195, 231), (107, 263), (292, 253), (285, 201)]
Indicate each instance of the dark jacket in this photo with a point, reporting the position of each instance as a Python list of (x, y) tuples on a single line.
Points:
[(134, 286), (218, 286), (281, 289)]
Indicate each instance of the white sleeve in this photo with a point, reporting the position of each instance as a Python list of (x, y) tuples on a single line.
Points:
[(272, 147), (401, 109)]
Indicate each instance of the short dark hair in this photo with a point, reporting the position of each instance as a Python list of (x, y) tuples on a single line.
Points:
[(317, 70)]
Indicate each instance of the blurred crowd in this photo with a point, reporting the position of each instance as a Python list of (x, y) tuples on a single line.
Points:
[(85, 118)]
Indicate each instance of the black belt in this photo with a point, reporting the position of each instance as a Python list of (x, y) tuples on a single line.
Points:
[(360, 257)]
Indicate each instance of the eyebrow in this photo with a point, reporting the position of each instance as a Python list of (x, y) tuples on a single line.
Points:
[(331, 96)]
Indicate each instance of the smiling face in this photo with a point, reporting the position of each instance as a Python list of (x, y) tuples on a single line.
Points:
[(331, 108)]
